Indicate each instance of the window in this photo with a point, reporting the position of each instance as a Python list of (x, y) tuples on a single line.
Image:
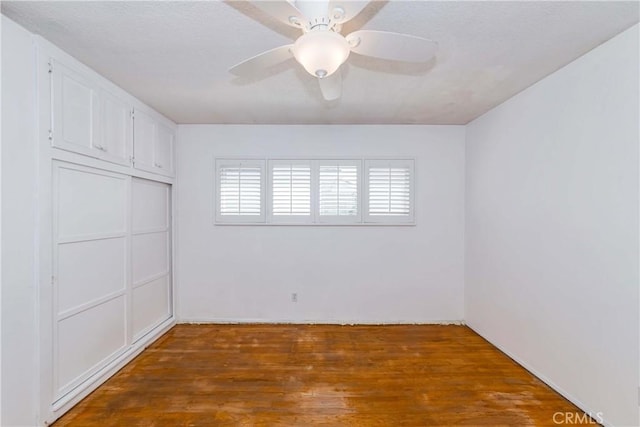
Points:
[(389, 191), (306, 191), (339, 189), (240, 191), (290, 191)]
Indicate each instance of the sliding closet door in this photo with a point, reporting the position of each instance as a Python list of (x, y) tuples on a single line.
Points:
[(151, 255), (90, 264)]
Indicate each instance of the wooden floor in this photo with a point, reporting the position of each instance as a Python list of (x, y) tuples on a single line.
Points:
[(299, 375)]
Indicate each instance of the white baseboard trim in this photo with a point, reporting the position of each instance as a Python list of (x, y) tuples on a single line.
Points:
[(62, 405), (543, 378), (226, 321)]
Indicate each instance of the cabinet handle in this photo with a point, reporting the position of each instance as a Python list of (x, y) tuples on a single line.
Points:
[(100, 147), (158, 165)]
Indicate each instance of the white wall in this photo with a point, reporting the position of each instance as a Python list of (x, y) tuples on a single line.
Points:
[(19, 174), (552, 229), (341, 274)]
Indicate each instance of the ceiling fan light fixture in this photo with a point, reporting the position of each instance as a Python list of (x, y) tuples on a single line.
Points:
[(321, 53)]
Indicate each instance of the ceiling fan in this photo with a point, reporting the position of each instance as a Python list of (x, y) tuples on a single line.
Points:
[(321, 49)]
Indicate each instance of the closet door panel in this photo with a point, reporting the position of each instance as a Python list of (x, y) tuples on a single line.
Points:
[(150, 202), (90, 203), (150, 255), (90, 270), (150, 305), (91, 265), (88, 340)]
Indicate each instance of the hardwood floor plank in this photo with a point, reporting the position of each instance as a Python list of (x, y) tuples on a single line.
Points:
[(320, 375)]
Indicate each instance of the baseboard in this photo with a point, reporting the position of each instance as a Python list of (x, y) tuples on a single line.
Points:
[(62, 405), (226, 321), (544, 379)]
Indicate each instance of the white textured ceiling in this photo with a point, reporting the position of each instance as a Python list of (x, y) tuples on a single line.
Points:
[(175, 56)]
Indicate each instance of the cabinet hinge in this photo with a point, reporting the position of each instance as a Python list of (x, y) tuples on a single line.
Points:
[(50, 64), (133, 114), (50, 135)]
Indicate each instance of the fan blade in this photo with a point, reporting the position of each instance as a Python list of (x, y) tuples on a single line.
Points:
[(331, 86), (283, 11), (341, 11), (392, 46), (263, 60)]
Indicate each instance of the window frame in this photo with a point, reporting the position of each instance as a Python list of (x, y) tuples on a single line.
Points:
[(389, 219), (340, 219), (290, 219), (220, 163)]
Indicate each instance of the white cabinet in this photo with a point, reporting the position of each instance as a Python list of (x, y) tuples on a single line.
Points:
[(164, 149), (152, 144), (91, 120), (116, 129), (75, 111), (106, 241), (144, 137), (87, 119)]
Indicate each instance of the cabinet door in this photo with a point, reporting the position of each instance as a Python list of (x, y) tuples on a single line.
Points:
[(75, 111), (164, 151), (117, 135), (145, 133)]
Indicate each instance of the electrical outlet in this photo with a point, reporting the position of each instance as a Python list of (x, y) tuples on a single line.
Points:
[(294, 297)]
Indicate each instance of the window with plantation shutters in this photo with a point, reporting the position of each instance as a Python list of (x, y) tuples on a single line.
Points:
[(389, 191), (315, 191), (240, 191), (339, 190), (290, 191)]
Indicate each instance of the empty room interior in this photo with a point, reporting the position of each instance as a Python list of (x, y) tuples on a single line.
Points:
[(330, 212)]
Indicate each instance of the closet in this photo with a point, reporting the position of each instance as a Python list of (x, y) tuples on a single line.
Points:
[(107, 167)]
